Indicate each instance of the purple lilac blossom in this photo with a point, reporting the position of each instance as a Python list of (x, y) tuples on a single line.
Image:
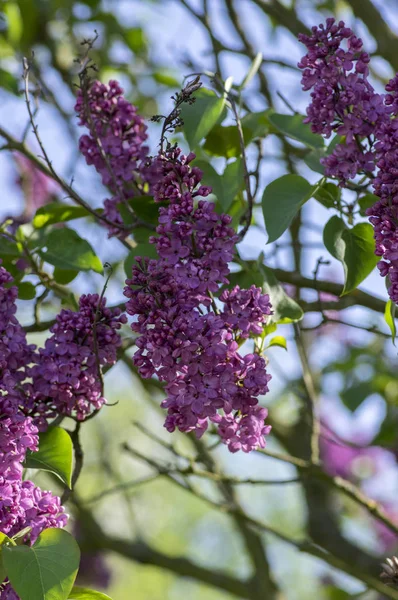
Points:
[(183, 337), (342, 99), (119, 133), (22, 504), (344, 102), (66, 376)]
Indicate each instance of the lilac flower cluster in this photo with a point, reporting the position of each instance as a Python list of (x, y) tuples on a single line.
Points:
[(114, 145), (342, 99), (185, 337), (66, 374), (384, 214), (22, 504), (344, 102)]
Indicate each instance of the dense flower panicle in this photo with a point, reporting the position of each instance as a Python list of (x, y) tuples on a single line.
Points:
[(342, 99), (344, 102), (184, 337), (22, 504), (113, 121), (66, 377), (384, 214)]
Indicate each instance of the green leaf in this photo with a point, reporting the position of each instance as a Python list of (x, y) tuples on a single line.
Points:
[(3, 540), (64, 248), (14, 22), (9, 82), (285, 309), (136, 40), (144, 207), (254, 67), (166, 78), (79, 593), (9, 248), (145, 249), (226, 186), (255, 125), (366, 202), (313, 160), (328, 195), (200, 117), (281, 201), (334, 593), (354, 248), (224, 141), (389, 316), (353, 396), (278, 340), (55, 212), (26, 290), (293, 127), (46, 570), (64, 276), (55, 454)]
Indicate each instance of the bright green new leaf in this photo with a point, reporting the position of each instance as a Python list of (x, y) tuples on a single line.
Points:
[(55, 212), (354, 248), (14, 22), (65, 248), (281, 201), (166, 78), (389, 316), (293, 127), (278, 340), (145, 249), (55, 454), (201, 117), (46, 570), (79, 593), (26, 290)]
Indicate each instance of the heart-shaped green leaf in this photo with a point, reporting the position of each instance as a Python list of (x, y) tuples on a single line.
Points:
[(201, 117), (46, 570), (281, 201), (55, 454), (354, 248), (64, 248)]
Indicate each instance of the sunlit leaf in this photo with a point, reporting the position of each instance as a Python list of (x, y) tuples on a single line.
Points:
[(46, 570), (55, 454), (64, 248)]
